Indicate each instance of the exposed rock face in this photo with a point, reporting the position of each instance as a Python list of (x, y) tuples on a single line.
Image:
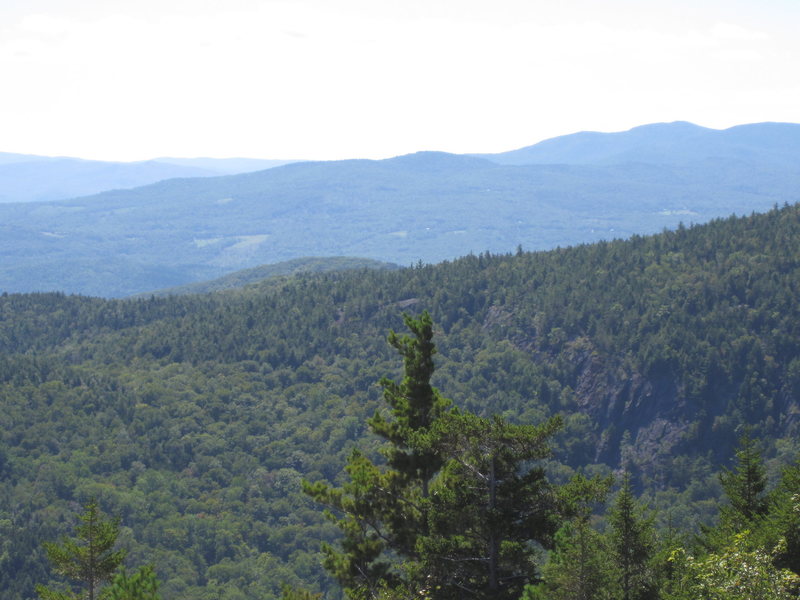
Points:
[(641, 422), (638, 417)]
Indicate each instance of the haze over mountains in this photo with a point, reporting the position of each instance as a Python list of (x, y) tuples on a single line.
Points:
[(776, 144), (30, 178), (426, 207)]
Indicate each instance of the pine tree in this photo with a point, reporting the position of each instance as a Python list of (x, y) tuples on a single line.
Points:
[(415, 407), (744, 486), (90, 559), (142, 585), (632, 544), (458, 503), (747, 505), (579, 567), (487, 507), (385, 508)]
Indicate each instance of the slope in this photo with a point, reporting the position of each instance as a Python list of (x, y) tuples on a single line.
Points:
[(428, 207), (308, 264), (30, 178), (194, 417)]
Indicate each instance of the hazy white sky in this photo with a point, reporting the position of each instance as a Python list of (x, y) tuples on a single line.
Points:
[(330, 79)]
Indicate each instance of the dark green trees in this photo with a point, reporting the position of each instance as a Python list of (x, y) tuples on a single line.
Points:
[(142, 585), (416, 406), (487, 505), (785, 518), (90, 559), (744, 486), (632, 541), (580, 566), (386, 509), (453, 512), (753, 552)]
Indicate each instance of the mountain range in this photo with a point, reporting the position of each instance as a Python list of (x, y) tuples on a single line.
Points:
[(427, 207), (665, 143), (30, 178)]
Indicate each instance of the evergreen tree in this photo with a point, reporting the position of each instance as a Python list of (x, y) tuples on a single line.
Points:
[(744, 485), (386, 509), (488, 506), (632, 543), (454, 511), (90, 559), (142, 585), (784, 519), (415, 407), (579, 567)]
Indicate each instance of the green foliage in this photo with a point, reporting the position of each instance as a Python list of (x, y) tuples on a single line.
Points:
[(415, 405), (195, 418), (748, 503), (386, 509), (784, 518), (456, 506), (744, 487), (578, 568), (632, 544), (89, 558), (737, 572), (488, 507), (290, 593), (142, 585)]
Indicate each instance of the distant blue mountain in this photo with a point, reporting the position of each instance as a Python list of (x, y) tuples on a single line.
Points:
[(225, 166), (776, 144), (429, 206), (29, 178)]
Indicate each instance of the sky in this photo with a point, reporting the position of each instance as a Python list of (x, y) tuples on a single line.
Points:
[(334, 79)]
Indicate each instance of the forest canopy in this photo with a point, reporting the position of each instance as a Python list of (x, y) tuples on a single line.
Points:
[(194, 419)]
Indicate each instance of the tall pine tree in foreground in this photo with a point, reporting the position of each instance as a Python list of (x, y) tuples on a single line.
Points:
[(488, 504), (383, 510), (456, 507)]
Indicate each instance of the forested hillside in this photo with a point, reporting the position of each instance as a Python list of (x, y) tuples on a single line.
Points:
[(429, 206), (195, 417), (308, 264)]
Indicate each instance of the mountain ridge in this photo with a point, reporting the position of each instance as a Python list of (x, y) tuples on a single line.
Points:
[(675, 142), (31, 178), (427, 206), (256, 275)]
